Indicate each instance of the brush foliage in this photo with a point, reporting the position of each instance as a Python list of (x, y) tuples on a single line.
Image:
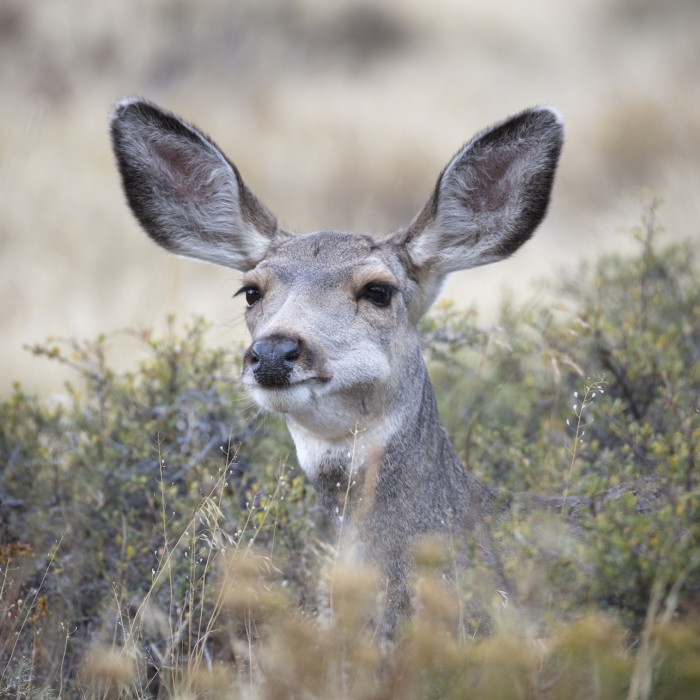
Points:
[(156, 540)]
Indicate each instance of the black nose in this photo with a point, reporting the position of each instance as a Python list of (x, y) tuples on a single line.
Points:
[(273, 360), (274, 350)]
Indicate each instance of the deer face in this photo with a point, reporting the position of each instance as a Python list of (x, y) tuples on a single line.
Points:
[(333, 316), (328, 315)]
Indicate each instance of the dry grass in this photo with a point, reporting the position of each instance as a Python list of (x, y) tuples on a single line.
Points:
[(182, 573), (255, 644)]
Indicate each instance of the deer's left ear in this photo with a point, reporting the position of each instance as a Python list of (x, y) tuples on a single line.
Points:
[(489, 199)]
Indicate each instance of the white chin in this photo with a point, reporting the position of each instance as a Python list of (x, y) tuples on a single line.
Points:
[(290, 399)]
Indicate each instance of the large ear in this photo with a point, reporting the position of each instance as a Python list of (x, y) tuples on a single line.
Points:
[(488, 200), (186, 194)]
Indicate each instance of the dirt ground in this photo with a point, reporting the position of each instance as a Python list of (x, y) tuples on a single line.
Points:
[(338, 115)]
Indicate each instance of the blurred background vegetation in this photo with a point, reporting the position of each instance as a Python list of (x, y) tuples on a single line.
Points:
[(339, 115)]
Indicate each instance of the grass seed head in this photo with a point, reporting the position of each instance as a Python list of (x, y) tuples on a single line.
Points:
[(430, 552), (437, 601), (355, 594), (247, 586), (109, 671)]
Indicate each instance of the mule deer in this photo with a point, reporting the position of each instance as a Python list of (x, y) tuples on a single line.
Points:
[(333, 316)]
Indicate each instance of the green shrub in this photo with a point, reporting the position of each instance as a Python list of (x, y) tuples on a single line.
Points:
[(134, 481), (155, 538), (596, 395)]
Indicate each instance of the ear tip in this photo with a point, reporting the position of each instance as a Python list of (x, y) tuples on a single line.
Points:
[(126, 105), (552, 114)]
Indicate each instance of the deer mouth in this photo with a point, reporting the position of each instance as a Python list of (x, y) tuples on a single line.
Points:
[(289, 398), (281, 385), (292, 384)]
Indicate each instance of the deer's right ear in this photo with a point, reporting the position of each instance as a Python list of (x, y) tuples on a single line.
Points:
[(183, 190)]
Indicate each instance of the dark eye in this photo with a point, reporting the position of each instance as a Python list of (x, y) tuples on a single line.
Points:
[(252, 294), (378, 293)]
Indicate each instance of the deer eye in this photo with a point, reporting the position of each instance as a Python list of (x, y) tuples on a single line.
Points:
[(252, 294), (378, 293)]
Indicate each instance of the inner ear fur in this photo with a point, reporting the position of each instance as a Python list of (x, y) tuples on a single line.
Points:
[(490, 198)]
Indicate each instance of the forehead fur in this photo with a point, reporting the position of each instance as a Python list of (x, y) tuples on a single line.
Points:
[(329, 252)]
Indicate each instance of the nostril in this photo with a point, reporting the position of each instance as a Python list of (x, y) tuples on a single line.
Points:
[(256, 351), (288, 350)]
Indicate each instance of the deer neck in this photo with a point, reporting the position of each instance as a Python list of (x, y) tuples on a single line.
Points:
[(395, 450)]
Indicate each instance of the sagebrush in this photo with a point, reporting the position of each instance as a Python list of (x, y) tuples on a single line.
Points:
[(158, 541)]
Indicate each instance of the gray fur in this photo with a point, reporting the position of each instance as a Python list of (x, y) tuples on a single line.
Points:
[(354, 389)]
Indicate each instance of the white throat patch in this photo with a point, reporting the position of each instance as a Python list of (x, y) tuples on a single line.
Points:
[(353, 451)]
